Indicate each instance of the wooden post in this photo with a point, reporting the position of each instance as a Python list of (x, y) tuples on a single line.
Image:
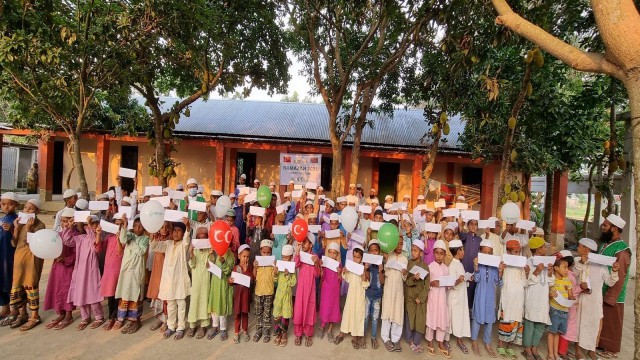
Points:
[(486, 193), (416, 178), (559, 209), (45, 169), (375, 173), (102, 164), (220, 163)]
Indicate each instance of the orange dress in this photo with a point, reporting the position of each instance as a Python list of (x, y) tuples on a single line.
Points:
[(27, 268), (156, 273)]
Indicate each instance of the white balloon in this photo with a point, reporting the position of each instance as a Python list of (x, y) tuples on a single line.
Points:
[(349, 218), (510, 212), (45, 244), (152, 216), (222, 206)]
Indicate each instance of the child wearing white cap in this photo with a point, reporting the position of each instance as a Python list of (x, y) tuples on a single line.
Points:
[(109, 281), (330, 294), (70, 198), (199, 263), (8, 203), (373, 292), (341, 241), (459, 323), (354, 306), (437, 307), (392, 315), (304, 310), (282, 304), (221, 293), (242, 295), (415, 299), (263, 293)]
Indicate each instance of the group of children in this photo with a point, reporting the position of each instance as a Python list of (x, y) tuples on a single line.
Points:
[(432, 285)]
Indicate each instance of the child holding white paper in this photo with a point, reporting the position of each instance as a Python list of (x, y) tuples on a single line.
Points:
[(282, 304), (112, 263), (255, 233), (373, 293), (200, 285), (330, 294), (373, 234), (280, 240), (304, 310), (571, 335), (415, 299), (484, 307), (511, 310), (220, 303), (437, 307), (158, 305), (559, 314), (263, 294), (201, 220), (459, 323), (354, 306), (409, 234), (242, 295), (341, 240), (393, 300)]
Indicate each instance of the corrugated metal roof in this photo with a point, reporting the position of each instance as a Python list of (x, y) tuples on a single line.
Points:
[(304, 121)]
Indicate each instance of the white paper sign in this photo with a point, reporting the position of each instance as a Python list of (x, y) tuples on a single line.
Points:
[(470, 215), (127, 173), (311, 186), (514, 260), (301, 168), (431, 227), (311, 196), (241, 279), (420, 207), (562, 301), (163, 200), (448, 280), (372, 259), (98, 205), (365, 209), (326, 219), (388, 217), (545, 260), (257, 211), (265, 260), (250, 198), (153, 191), (486, 224), (420, 271), (108, 227), (375, 225), (305, 257), (24, 217), (357, 238), (126, 210), (296, 194), (462, 206), (525, 225), (178, 195), (388, 206), (314, 229), (198, 206), (330, 264), (396, 265), (440, 204), (111, 194), (81, 216), (331, 234), (400, 206), (467, 276), (280, 229), (322, 208), (215, 270), (451, 212), (354, 267), (489, 260), (201, 244), (286, 265), (175, 215), (601, 259), (280, 209)]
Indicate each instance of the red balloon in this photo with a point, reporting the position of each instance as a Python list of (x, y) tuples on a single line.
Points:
[(299, 230), (220, 236)]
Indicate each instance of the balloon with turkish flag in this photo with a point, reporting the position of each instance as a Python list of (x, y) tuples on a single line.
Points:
[(299, 230), (220, 236)]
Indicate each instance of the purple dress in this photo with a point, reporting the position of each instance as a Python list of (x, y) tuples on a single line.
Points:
[(59, 281), (429, 256), (85, 281), (330, 296)]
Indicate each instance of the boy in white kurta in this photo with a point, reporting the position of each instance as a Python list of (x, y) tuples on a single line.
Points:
[(511, 307), (392, 315), (353, 314), (591, 278), (175, 284), (460, 323)]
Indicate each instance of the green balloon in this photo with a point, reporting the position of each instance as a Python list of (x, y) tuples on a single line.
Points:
[(264, 196), (388, 237)]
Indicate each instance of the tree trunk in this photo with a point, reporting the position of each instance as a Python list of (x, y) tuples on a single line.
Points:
[(548, 206), (613, 144), (337, 185), (585, 222), (77, 157), (355, 152), (67, 180), (431, 161), (158, 128)]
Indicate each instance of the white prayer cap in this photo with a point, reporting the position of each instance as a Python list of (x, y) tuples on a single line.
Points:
[(565, 253), (124, 199), (95, 218), (191, 181), (82, 204), (341, 199), (36, 202), (455, 244), (287, 194), (486, 243), (461, 198), (591, 244), (311, 238), (452, 225), (243, 176), (216, 193), (359, 186), (616, 221), (232, 196), (320, 187), (69, 193), (375, 201), (334, 217), (67, 212), (300, 216), (330, 202), (493, 218), (388, 197), (357, 247), (266, 242), (430, 210), (352, 186), (373, 242), (440, 245), (406, 196), (308, 203), (333, 246), (166, 190), (272, 183), (419, 244), (243, 247), (180, 187), (287, 250), (79, 195), (256, 181), (9, 196), (421, 197), (291, 182), (378, 208), (104, 196), (352, 199)]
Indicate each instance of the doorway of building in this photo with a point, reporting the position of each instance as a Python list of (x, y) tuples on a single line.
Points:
[(246, 165), (129, 160), (58, 166), (388, 180)]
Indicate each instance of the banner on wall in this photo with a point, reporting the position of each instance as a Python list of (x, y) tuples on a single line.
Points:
[(301, 168)]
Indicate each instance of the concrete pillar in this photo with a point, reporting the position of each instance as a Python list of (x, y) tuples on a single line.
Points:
[(102, 164), (416, 177), (559, 209), (220, 162), (45, 169)]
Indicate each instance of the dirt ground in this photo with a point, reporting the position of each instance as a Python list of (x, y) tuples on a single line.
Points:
[(69, 343)]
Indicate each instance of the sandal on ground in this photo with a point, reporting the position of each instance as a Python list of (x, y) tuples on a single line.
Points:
[(213, 332), (463, 348), (236, 339), (97, 323), (490, 351), (8, 320), (108, 325), (355, 344), (118, 325), (476, 350), (179, 335), (167, 333), (511, 354), (51, 324), (331, 338), (19, 321), (322, 332), (191, 332), (389, 346), (447, 345), (134, 327), (374, 343), (338, 339), (266, 338), (156, 325), (276, 341), (431, 350), (224, 335), (126, 327), (414, 348), (502, 353), (201, 332), (308, 341), (537, 357), (30, 324), (283, 340), (362, 342), (83, 324), (607, 354), (164, 327), (298, 341), (396, 347), (256, 337), (245, 336), (445, 353)]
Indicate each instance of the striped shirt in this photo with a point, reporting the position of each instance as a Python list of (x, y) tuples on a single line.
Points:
[(561, 286)]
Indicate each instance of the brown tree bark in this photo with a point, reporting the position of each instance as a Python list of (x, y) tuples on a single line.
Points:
[(585, 222), (548, 206), (77, 156)]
